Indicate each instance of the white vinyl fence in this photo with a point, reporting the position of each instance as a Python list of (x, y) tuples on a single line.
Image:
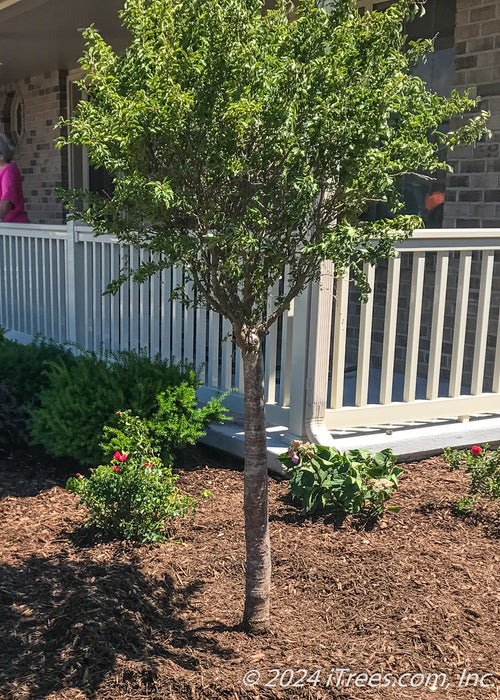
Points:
[(424, 346)]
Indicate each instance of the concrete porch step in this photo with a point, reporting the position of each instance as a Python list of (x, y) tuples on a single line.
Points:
[(410, 441)]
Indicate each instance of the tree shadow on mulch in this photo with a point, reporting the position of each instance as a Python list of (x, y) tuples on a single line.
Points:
[(66, 623), (191, 457), (489, 518), (294, 515), (30, 471)]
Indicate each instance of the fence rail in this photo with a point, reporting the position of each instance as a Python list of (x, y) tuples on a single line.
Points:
[(425, 345)]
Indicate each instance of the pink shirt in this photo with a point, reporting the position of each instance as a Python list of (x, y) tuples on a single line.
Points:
[(11, 189)]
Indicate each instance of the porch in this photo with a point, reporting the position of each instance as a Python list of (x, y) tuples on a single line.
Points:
[(406, 370)]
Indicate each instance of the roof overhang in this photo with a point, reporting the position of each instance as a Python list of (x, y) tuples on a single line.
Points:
[(37, 36)]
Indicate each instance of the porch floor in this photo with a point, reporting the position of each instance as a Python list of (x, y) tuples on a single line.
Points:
[(410, 441)]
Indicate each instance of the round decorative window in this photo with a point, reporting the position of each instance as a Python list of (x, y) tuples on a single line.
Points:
[(14, 118)]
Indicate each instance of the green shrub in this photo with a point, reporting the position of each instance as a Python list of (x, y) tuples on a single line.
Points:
[(178, 422), (483, 467), (134, 494), (23, 367), (353, 482), (13, 430), (80, 400)]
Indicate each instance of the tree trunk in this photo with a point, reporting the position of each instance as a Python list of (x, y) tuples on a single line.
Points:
[(258, 548)]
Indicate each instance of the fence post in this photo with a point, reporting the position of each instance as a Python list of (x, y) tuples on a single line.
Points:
[(310, 358), (70, 283), (298, 319), (320, 323)]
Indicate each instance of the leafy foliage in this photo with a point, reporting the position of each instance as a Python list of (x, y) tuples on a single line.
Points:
[(483, 467), (240, 141), (323, 478), (179, 422), (134, 493), (80, 400), (23, 367), (22, 378)]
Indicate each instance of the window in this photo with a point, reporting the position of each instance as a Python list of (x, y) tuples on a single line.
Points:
[(13, 118), (82, 174), (423, 196)]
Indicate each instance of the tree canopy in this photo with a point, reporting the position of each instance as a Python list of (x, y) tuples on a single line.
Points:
[(240, 141)]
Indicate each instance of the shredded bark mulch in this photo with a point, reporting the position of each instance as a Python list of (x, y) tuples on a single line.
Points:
[(415, 593)]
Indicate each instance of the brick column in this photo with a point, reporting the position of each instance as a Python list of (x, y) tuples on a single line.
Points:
[(473, 191)]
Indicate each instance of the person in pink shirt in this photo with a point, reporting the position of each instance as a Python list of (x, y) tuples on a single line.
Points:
[(11, 189)]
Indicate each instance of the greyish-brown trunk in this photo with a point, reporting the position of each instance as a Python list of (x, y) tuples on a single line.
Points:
[(258, 547)]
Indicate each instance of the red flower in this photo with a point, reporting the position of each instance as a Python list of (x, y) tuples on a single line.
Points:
[(118, 413), (120, 456), (148, 465), (476, 450), (78, 475), (117, 469)]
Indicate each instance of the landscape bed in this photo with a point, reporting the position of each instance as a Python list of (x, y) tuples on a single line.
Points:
[(415, 593)]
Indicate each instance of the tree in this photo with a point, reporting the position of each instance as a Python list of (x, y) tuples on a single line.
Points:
[(242, 141)]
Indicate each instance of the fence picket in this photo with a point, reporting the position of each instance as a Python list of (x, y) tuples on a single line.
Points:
[(144, 308), (177, 317), (166, 318), (124, 303), (365, 339), (114, 303), (154, 314), (201, 341), (390, 325), (213, 350), (189, 326), (460, 325), (227, 354), (436, 343), (339, 340), (415, 313), (483, 313), (271, 345), (135, 331)]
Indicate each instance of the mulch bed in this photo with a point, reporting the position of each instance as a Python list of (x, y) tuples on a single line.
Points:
[(417, 592)]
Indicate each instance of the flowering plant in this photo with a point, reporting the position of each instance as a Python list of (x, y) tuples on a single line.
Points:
[(299, 450), (134, 493), (321, 477), (483, 467)]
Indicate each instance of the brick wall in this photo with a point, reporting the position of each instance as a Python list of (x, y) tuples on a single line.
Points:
[(43, 166), (473, 191)]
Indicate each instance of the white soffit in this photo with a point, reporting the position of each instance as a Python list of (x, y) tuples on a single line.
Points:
[(37, 36)]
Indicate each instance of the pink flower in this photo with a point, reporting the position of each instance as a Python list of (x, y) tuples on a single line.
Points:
[(295, 459), (118, 413), (476, 450), (78, 475), (117, 469), (148, 465), (120, 456)]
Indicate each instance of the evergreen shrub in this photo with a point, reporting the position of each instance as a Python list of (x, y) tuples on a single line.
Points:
[(23, 367), (13, 430), (81, 399)]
